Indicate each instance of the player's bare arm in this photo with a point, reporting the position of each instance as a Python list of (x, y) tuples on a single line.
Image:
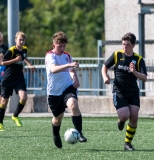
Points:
[(74, 76), (106, 77), (29, 64), (58, 68)]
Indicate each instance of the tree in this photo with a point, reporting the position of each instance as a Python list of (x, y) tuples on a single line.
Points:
[(82, 21), (3, 22)]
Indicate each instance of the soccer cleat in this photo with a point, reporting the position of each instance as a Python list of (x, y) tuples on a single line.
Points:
[(121, 125), (82, 138), (57, 141), (1, 127), (17, 120), (128, 147)]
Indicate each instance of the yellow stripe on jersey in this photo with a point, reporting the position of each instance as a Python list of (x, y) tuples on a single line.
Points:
[(115, 56), (14, 47), (12, 50), (24, 47), (122, 51), (139, 59)]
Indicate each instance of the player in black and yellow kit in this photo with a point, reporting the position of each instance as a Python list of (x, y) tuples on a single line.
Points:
[(128, 67), (14, 78)]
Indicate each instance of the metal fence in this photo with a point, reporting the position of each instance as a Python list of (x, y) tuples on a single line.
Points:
[(89, 73)]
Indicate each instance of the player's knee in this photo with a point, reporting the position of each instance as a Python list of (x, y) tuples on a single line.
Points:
[(4, 102), (56, 121), (72, 104), (124, 117), (74, 107)]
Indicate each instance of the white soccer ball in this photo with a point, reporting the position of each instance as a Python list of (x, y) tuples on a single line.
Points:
[(72, 136)]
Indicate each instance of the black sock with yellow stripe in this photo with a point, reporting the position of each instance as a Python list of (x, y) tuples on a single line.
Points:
[(2, 112), (130, 132), (19, 108)]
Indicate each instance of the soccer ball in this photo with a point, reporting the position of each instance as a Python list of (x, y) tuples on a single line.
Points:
[(72, 136)]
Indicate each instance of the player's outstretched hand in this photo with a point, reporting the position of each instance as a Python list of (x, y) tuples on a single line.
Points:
[(33, 68), (132, 67), (74, 65), (107, 79)]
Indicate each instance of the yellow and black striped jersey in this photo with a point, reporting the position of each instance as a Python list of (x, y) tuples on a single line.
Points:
[(124, 79), (15, 70)]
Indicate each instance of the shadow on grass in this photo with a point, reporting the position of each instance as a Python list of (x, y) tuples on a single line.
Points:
[(112, 150), (117, 150), (3, 137)]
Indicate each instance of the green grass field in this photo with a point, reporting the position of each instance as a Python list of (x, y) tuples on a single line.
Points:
[(34, 141)]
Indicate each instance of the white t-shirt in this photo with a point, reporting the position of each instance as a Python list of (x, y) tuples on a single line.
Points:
[(57, 82)]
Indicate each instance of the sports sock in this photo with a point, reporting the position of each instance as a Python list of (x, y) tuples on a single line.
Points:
[(19, 108), (55, 130), (130, 132), (2, 113), (77, 121)]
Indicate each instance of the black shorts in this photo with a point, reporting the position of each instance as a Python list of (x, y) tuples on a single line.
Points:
[(120, 102), (57, 104), (7, 89)]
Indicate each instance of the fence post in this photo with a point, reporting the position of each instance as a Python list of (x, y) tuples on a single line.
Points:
[(99, 55), (13, 27), (141, 45)]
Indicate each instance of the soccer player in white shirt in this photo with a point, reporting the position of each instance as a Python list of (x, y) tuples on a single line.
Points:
[(62, 84)]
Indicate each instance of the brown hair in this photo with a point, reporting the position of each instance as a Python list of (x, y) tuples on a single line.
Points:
[(60, 37), (129, 37)]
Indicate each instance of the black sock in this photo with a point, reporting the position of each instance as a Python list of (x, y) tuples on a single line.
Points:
[(2, 114), (55, 130), (18, 109), (77, 121)]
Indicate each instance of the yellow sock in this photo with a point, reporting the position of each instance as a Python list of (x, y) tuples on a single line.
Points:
[(2, 106), (130, 132)]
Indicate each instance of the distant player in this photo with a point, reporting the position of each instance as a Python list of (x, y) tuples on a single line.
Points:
[(62, 84), (2, 69), (128, 67), (14, 78), (3, 47)]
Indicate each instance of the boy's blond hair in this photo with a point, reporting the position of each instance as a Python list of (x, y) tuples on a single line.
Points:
[(60, 37), (21, 34)]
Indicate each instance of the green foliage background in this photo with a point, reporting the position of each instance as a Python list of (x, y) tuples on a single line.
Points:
[(81, 20)]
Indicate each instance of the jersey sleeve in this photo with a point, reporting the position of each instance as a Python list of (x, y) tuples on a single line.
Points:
[(110, 61), (25, 49), (50, 59), (143, 67), (7, 56)]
